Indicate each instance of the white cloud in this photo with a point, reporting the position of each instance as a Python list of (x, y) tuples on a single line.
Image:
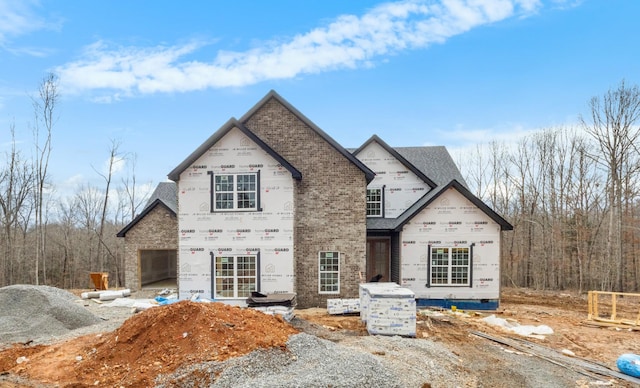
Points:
[(19, 18), (118, 164), (348, 42)]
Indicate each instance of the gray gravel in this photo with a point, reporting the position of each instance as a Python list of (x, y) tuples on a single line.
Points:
[(40, 313), (308, 362)]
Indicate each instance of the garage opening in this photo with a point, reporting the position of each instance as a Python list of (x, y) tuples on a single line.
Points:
[(158, 268)]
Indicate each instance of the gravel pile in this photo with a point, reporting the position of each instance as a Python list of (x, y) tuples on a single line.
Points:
[(40, 313), (308, 362)]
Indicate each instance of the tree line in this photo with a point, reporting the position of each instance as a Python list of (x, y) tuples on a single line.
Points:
[(55, 239), (571, 193)]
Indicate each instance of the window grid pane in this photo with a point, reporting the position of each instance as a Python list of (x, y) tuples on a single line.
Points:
[(450, 266), (329, 272), (224, 277), (241, 195), (374, 202), (236, 277)]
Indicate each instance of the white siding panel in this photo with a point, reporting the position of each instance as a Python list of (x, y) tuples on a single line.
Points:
[(402, 187), (269, 232), (451, 220)]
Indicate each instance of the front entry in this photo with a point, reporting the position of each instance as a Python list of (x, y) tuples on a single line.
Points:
[(378, 256)]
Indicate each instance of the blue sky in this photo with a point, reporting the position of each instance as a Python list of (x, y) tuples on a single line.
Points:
[(161, 76)]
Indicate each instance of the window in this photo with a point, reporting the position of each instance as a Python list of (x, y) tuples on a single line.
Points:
[(235, 191), (450, 266), (329, 273), (374, 202), (235, 276)]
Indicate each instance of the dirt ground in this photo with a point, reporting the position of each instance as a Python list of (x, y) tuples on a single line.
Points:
[(565, 313), (132, 354)]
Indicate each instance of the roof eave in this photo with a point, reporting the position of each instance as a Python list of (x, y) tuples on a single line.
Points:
[(410, 213), (174, 175), (145, 211), (399, 157)]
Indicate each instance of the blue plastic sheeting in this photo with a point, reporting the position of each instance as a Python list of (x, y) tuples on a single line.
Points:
[(629, 364), (164, 301)]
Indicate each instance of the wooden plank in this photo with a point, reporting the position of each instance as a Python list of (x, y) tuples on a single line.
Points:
[(578, 365), (594, 314), (601, 323)]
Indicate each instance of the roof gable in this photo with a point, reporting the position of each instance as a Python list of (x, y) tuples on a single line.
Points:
[(174, 175), (165, 195), (369, 174), (157, 202), (400, 158), (431, 196), (396, 224)]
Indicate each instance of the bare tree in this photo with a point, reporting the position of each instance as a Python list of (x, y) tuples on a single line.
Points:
[(16, 182), (613, 124), (130, 190), (115, 157), (89, 205), (44, 111)]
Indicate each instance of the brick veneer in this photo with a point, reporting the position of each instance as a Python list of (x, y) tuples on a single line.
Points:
[(157, 230), (330, 201)]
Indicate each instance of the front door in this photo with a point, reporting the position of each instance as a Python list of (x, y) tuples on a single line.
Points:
[(378, 256)]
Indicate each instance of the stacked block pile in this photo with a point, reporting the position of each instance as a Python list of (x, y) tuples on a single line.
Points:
[(388, 309), (343, 306)]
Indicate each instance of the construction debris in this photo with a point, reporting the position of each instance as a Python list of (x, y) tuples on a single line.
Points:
[(524, 330), (106, 295), (617, 309), (575, 364), (282, 305), (343, 306), (629, 364)]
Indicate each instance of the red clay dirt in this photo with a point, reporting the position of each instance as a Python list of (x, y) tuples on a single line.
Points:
[(156, 341)]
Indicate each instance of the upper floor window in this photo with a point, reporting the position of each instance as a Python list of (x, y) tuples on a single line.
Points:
[(235, 191), (374, 202)]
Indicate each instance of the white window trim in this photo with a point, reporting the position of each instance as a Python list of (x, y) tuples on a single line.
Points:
[(321, 271), (235, 275), (381, 202), (235, 192), (450, 266)]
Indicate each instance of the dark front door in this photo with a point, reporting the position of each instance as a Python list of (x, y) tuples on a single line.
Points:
[(378, 255)]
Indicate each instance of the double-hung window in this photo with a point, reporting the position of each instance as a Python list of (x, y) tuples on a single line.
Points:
[(235, 276), (329, 272), (235, 191), (374, 202), (450, 266)]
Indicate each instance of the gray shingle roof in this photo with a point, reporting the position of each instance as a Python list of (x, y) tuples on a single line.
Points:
[(167, 192), (434, 161)]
